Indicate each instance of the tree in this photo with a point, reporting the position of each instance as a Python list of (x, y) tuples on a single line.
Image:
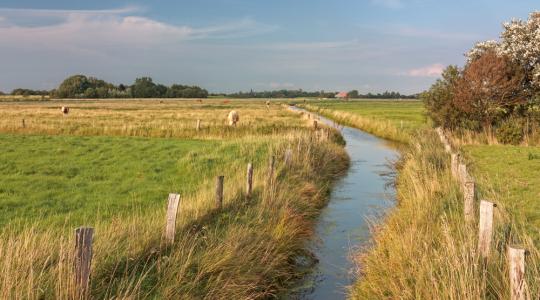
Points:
[(73, 87), (439, 99), (353, 94), (143, 87), (491, 87)]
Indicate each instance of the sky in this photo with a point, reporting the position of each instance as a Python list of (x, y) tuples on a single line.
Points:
[(232, 45)]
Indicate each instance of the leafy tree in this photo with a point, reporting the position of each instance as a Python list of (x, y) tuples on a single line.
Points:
[(143, 87), (491, 87), (353, 94), (439, 99)]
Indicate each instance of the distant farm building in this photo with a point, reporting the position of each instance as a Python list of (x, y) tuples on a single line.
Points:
[(342, 95)]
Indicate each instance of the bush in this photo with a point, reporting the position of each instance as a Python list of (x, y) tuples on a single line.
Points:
[(510, 132)]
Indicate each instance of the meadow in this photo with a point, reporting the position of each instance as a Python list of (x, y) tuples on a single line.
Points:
[(111, 164), (390, 119)]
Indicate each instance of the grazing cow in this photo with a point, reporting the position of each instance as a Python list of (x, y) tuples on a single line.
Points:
[(65, 110), (233, 118)]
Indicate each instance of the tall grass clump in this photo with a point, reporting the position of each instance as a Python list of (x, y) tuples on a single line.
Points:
[(246, 250), (425, 250)]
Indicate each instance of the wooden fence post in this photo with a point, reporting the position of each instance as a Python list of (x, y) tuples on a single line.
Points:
[(516, 261), (198, 124), (468, 204), (83, 260), (249, 189), (485, 228), (462, 173), (219, 191), (172, 209), (23, 124), (454, 161), (315, 125)]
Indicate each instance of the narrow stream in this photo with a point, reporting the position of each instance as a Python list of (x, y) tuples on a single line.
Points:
[(357, 198)]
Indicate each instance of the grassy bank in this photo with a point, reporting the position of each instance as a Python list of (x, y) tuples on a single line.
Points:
[(248, 249), (425, 250), (392, 120)]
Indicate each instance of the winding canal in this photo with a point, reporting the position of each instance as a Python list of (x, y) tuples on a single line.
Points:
[(357, 199)]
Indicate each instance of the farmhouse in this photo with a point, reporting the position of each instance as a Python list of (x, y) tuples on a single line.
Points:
[(342, 95)]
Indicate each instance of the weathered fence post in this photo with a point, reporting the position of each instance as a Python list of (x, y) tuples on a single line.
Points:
[(454, 161), (172, 209), (462, 173), (249, 189), (485, 228), (468, 197), (23, 124), (315, 125), (83, 260), (516, 261), (198, 124), (219, 191)]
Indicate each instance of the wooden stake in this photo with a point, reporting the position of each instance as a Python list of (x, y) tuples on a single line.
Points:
[(516, 261), (249, 189), (462, 173), (219, 191), (23, 124), (468, 204), (83, 260), (198, 124), (485, 228), (172, 209), (454, 161), (315, 125)]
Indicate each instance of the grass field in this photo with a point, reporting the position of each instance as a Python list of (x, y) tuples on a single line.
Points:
[(111, 165), (513, 172), (392, 120)]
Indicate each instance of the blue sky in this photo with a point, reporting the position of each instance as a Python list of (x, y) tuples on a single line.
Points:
[(230, 45)]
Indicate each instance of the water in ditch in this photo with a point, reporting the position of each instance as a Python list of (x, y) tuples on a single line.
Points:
[(355, 202)]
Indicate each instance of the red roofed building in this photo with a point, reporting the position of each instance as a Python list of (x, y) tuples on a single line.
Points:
[(342, 95)]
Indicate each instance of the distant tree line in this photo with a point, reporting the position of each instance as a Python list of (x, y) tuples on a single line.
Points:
[(80, 86), (28, 92), (316, 94), (386, 95)]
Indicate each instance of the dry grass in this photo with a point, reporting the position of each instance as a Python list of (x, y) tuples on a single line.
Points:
[(247, 250), (149, 118), (425, 250), (383, 128)]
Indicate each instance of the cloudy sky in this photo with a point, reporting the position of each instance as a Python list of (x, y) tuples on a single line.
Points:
[(230, 45)]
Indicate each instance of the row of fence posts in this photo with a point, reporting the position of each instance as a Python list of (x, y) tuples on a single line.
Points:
[(84, 235), (515, 256)]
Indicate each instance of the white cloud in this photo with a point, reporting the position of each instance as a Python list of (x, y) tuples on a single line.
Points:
[(98, 29), (433, 70)]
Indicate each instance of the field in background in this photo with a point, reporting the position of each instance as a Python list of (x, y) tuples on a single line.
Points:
[(111, 164), (408, 114), (514, 173)]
